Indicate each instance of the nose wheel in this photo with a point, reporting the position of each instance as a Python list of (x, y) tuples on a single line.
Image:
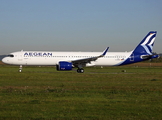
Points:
[(80, 70)]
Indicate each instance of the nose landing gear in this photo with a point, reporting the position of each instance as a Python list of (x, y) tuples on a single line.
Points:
[(20, 69)]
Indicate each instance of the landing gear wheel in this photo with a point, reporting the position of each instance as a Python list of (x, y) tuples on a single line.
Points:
[(20, 69), (80, 70)]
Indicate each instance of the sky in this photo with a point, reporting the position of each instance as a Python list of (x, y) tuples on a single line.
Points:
[(78, 25)]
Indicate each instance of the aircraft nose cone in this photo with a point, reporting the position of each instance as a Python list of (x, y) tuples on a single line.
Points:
[(4, 60)]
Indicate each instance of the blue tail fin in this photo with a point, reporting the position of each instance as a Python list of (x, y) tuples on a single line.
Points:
[(146, 45), (143, 51)]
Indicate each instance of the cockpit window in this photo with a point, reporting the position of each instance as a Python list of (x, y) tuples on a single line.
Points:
[(10, 55)]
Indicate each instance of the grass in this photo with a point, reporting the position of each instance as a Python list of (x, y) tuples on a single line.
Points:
[(107, 93)]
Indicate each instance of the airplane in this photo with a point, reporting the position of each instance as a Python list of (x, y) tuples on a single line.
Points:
[(65, 61)]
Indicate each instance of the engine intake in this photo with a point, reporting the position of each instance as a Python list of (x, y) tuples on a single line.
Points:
[(63, 66)]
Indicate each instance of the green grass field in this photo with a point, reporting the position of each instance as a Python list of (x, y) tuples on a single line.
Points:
[(107, 93)]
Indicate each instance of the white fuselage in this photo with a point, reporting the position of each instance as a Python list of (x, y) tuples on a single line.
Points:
[(52, 58), (67, 60)]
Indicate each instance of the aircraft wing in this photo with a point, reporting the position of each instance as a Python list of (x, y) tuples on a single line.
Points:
[(88, 60)]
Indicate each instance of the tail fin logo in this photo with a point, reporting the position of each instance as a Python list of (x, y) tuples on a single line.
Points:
[(148, 43)]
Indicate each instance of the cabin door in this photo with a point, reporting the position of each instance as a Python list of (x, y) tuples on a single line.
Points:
[(132, 57), (20, 55)]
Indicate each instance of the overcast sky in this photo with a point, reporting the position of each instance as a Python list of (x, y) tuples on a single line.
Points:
[(78, 25)]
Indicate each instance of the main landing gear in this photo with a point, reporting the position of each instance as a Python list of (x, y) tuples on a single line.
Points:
[(80, 70)]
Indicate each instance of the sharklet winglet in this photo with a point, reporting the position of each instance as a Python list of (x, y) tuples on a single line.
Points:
[(104, 53)]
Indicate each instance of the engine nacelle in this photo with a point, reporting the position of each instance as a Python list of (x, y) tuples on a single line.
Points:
[(63, 66)]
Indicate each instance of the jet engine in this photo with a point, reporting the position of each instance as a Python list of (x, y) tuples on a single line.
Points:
[(64, 66)]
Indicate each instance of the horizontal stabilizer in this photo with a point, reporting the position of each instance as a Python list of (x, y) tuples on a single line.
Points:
[(146, 57)]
